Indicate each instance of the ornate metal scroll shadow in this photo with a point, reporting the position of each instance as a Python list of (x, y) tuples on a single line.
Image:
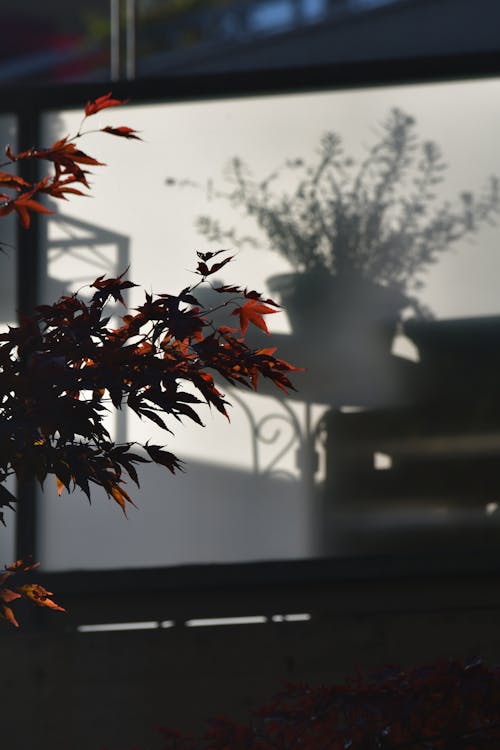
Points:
[(283, 432)]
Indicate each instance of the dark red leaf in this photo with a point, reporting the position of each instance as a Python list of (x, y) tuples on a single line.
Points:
[(102, 102)]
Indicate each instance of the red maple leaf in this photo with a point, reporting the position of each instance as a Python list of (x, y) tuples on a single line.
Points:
[(12, 181), (252, 312), (111, 287), (101, 103), (66, 157), (59, 187), (23, 204), (122, 131)]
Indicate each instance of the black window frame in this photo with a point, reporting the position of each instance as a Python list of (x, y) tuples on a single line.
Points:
[(28, 103)]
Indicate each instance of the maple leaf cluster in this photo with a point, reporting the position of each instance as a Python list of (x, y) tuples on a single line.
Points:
[(32, 592), (447, 705), (65, 364), (62, 366), (24, 199), (67, 162)]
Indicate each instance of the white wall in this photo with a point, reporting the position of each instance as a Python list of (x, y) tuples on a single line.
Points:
[(220, 510)]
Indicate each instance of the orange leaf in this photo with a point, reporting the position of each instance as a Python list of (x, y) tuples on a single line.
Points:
[(8, 595), (21, 565), (39, 595), (7, 614), (101, 103), (120, 496), (252, 312)]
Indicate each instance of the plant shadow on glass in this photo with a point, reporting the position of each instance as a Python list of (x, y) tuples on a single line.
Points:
[(408, 434)]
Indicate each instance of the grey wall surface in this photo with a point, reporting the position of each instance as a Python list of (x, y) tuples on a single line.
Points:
[(90, 691)]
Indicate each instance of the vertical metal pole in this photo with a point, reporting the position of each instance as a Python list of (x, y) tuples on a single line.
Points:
[(114, 40), (27, 289), (131, 28)]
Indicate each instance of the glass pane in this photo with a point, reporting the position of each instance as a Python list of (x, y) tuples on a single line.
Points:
[(54, 41), (7, 316), (191, 36), (58, 41), (384, 252)]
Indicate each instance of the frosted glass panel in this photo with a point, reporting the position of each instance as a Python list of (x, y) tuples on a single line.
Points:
[(7, 315), (384, 253)]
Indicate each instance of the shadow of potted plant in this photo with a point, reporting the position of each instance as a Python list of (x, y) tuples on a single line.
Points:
[(358, 237)]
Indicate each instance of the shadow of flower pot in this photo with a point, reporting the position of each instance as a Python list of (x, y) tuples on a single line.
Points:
[(343, 330)]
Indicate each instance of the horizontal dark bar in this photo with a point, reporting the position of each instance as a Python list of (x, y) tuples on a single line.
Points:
[(239, 575), (258, 82)]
